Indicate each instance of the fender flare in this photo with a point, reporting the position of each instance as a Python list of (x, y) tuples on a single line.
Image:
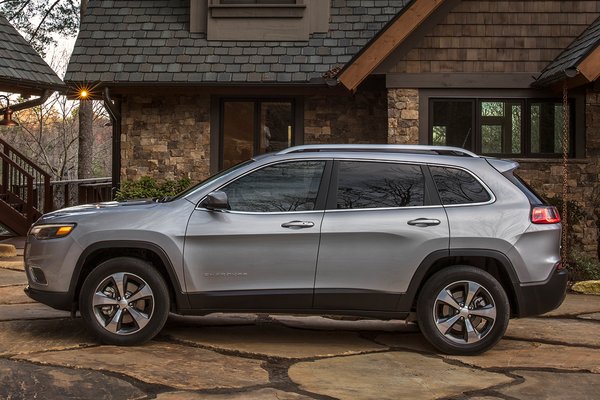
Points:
[(181, 298), (408, 299)]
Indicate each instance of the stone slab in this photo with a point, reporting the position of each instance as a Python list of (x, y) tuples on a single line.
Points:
[(22, 337), (560, 331), (12, 278), (576, 304), (587, 287), (593, 316), (554, 386), (11, 312), (510, 354), (517, 354), (275, 340), (330, 324), (176, 366), (266, 394), (390, 375), (216, 319), (14, 295), (7, 250), (20, 380)]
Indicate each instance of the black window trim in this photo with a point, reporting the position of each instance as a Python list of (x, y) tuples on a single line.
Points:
[(481, 182), (321, 193), (430, 198)]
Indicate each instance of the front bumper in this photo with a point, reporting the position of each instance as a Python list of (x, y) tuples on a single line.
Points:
[(58, 300), (540, 299)]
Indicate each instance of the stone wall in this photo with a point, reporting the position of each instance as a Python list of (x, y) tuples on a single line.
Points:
[(403, 116), (544, 175), (165, 137), (357, 118), (584, 179)]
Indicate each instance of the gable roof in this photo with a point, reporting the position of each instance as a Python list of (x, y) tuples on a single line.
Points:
[(148, 42), (22, 70), (387, 40), (584, 48)]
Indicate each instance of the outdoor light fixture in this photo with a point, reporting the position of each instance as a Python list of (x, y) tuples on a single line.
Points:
[(7, 121), (84, 91)]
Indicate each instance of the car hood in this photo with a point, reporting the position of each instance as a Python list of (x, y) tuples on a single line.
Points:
[(87, 209)]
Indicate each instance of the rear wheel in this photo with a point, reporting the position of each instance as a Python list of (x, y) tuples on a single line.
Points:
[(124, 301), (463, 310)]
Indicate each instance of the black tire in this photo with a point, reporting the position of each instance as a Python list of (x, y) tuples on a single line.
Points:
[(121, 322), (446, 327)]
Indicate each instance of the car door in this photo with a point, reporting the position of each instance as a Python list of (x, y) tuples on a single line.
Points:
[(262, 252), (381, 222)]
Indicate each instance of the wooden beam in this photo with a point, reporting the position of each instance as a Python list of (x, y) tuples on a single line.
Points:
[(387, 42), (590, 66)]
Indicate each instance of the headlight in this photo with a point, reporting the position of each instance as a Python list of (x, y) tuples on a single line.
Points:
[(54, 231)]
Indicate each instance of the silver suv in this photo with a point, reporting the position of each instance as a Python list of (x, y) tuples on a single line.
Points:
[(438, 234)]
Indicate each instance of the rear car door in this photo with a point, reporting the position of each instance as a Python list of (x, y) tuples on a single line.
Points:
[(381, 222), (262, 253)]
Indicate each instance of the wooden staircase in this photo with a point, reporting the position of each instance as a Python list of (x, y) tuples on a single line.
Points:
[(25, 190)]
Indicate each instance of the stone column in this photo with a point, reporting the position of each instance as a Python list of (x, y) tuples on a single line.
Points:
[(403, 116)]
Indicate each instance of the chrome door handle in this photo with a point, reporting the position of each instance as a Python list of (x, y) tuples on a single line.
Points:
[(424, 222), (298, 224)]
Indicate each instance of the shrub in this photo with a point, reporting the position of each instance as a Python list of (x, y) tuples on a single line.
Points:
[(583, 268), (149, 188)]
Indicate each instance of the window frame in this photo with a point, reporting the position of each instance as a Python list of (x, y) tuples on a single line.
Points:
[(577, 97), (217, 123), (481, 182)]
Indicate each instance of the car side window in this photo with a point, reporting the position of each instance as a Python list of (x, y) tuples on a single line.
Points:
[(456, 186), (364, 184), (285, 187)]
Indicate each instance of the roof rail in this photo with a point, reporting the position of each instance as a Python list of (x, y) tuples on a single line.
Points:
[(392, 148)]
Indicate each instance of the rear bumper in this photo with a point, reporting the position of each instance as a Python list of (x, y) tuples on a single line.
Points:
[(58, 300), (539, 299)]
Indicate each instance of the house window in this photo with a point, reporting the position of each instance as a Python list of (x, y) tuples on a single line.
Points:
[(252, 127), (513, 127), (237, 2)]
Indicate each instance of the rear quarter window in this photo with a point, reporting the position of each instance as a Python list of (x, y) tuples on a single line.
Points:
[(456, 186)]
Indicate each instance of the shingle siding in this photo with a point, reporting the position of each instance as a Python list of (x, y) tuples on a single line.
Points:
[(151, 38)]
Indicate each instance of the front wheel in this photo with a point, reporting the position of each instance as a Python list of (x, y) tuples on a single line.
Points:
[(124, 301), (463, 310)]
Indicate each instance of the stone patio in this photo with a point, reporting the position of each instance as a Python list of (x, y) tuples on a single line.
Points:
[(46, 355)]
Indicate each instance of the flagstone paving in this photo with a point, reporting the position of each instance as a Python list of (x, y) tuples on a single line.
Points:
[(391, 375), (14, 295), (44, 354)]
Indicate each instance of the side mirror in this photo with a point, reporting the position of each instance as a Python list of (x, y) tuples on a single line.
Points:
[(216, 201)]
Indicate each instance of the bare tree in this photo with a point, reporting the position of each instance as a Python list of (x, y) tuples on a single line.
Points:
[(86, 133)]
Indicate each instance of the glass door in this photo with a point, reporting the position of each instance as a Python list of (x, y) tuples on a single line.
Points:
[(252, 127)]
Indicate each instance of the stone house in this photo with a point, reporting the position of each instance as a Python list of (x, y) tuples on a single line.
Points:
[(195, 86)]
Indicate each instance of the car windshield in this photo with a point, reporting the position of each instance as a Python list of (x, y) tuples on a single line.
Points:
[(208, 181)]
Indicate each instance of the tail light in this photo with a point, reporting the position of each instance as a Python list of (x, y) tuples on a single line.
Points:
[(545, 215)]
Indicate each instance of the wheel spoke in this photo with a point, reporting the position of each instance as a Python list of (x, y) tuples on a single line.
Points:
[(445, 325), (114, 325), (120, 280), (100, 299), (140, 318), (446, 297), (471, 288), (142, 293), (472, 335), (488, 312)]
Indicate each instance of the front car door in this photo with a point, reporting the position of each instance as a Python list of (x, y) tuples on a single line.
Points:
[(382, 220), (262, 253)]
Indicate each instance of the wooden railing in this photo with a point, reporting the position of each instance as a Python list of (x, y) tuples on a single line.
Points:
[(16, 196), (41, 199), (81, 191)]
